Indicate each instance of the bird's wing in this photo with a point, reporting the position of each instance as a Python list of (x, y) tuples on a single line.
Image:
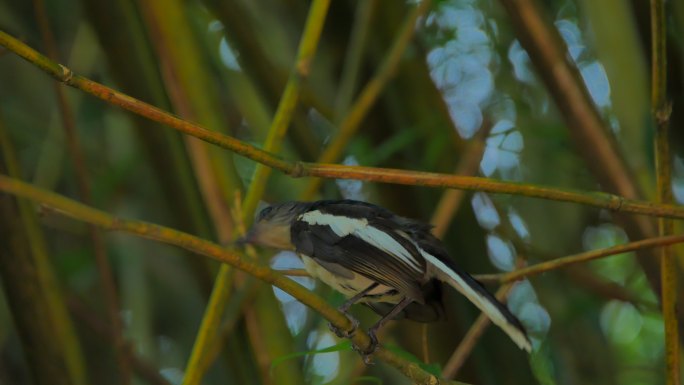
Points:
[(342, 233), (395, 251)]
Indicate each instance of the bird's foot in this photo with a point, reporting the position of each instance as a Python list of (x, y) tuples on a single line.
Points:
[(345, 333), (367, 352)]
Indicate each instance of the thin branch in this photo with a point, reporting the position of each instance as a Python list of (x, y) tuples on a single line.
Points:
[(427, 179), (294, 273), (663, 162), (81, 212), (369, 95), (303, 169), (141, 366), (451, 200), (33, 290), (583, 277), (104, 268), (592, 136), (459, 356), (363, 18), (281, 121), (242, 298), (195, 367), (581, 257), (220, 294), (550, 56), (469, 341)]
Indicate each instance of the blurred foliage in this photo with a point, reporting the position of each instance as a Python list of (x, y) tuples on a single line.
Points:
[(224, 64)]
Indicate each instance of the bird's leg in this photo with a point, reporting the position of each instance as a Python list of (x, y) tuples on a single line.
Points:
[(348, 303), (373, 346), (345, 307)]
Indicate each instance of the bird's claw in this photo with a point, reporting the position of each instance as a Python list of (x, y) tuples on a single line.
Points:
[(345, 333), (367, 353)]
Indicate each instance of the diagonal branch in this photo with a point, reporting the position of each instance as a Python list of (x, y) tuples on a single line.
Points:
[(81, 212), (220, 294), (459, 356), (302, 169), (592, 138), (554, 264), (352, 121)]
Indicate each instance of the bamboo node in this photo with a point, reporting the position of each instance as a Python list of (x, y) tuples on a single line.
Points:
[(67, 74), (303, 68), (662, 114), (297, 170)]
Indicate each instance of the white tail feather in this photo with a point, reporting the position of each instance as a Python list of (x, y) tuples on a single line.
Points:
[(483, 303)]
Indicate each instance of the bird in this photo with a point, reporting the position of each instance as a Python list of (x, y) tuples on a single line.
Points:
[(390, 263)]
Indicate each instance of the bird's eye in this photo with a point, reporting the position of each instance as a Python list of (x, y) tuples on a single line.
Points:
[(264, 213)]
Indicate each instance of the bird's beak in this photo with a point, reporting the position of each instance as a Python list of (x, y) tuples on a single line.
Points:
[(247, 238)]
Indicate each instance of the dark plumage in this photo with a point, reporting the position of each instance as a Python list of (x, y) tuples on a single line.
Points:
[(373, 256)]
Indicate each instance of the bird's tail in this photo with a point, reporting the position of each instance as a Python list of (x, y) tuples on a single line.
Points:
[(446, 271)]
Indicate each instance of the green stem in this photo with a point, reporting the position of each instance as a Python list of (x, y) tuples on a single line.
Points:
[(220, 294), (663, 162), (555, 264)]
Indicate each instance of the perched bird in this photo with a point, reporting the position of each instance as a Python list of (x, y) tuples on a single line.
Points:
[(390, 263)]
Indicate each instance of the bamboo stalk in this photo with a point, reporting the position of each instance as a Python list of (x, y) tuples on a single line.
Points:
[(302, 169), (368, 96), (661, 110), (211, 320), (451, 200), (363, 18), (459, 356), (47, 334), (78, 159), (133, 66)]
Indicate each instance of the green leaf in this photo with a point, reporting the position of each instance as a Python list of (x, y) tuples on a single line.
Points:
[(344, 345), (372, 379), (434, 368)]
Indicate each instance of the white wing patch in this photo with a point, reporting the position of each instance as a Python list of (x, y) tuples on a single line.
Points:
[(484, 304), (342, 226), (359, 227), (386, 243)]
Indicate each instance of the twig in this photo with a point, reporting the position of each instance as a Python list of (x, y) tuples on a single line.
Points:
[(581, 257), (451, 200), (584, 277)]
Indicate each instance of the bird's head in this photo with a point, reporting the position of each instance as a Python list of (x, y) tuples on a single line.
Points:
[(272, 225)]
